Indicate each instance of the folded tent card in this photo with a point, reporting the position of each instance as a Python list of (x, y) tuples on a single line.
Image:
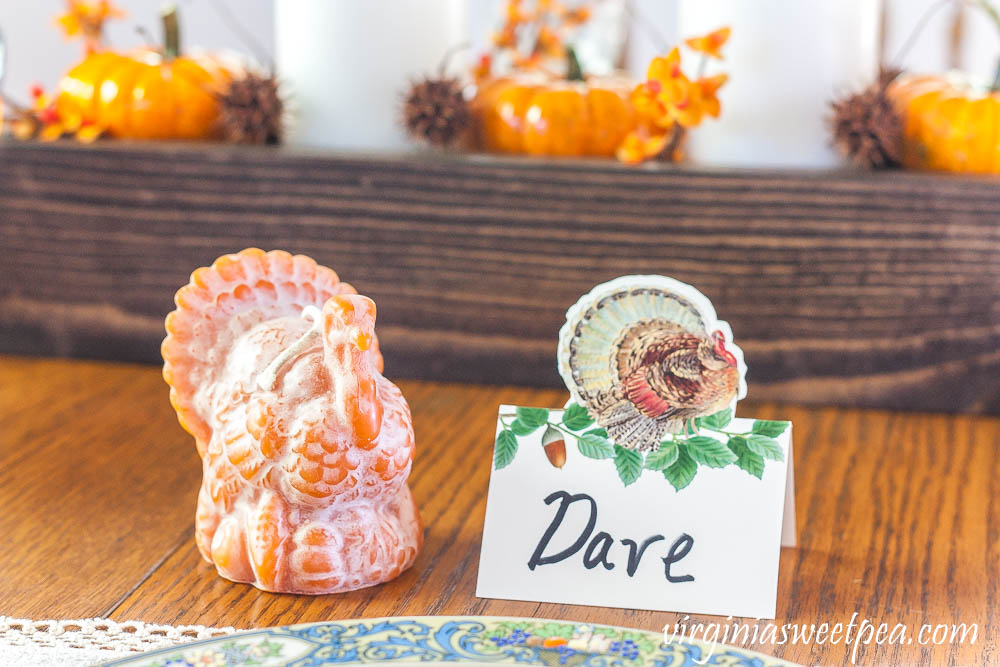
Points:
[(644, 492)]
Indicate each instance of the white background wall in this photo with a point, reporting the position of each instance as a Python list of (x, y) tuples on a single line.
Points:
[(37, 52)]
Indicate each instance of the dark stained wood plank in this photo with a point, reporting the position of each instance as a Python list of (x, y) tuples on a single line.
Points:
[(843, 287), (96, 489)]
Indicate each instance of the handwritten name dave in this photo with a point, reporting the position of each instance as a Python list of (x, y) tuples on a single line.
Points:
[(601, 548)]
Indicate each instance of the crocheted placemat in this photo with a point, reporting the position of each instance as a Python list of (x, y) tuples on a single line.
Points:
[(89, 641)]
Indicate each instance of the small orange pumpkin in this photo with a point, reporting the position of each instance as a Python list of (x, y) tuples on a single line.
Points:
[(534, 114), (948, 124), (146, 94)]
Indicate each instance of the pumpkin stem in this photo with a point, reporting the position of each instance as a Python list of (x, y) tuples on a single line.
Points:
[(574, 72), (171, 32)]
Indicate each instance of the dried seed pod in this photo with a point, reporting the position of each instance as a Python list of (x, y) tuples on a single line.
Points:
[(251, 110), (867, 127), (435, 110)]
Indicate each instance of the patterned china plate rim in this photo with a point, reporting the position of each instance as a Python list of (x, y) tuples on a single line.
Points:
[(455, 639)]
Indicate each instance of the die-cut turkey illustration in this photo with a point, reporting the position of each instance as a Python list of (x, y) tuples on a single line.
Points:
[(646, 356)]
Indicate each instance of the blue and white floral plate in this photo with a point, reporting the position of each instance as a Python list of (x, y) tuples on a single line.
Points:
[(432, 640)]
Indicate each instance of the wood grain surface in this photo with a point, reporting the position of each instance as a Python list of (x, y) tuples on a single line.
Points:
[(82, 486), (898, 516), (842, 287)]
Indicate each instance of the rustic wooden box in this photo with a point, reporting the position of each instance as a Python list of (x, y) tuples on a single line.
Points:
[(843, 287)]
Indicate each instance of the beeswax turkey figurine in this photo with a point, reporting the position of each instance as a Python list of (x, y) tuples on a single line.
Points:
[(274, 368)]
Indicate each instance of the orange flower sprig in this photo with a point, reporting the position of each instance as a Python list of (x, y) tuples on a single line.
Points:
[(669, 103), (86, 19), (711, 43), (533, 32), (43, 121)]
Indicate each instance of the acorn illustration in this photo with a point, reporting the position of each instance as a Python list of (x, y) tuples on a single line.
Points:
[(555, 447)]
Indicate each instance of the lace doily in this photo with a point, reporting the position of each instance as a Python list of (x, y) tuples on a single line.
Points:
[(88, 641)]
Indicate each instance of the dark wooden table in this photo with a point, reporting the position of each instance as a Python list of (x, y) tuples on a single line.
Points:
[(898, 516)]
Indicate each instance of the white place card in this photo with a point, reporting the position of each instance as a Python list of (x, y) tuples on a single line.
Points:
[(573, 518)]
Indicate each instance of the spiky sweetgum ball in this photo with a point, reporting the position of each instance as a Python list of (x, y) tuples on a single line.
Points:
[(435, 110), (867, 128), (251, 110)]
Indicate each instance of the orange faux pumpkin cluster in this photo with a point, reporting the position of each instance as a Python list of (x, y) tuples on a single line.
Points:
[(145, 94), (534, 112), (537, 114)]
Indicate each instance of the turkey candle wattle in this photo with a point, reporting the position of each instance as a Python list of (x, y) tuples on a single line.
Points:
[(275, 369)]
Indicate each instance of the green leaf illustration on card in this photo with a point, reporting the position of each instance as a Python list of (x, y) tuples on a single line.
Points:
[(520, 428), (766, 447), (533, 416), (662, 458), (677, 458), (576, 417), (746, 460), (716, 421), (709, 452), (682, 471), (772, 429), (753, 464), (593, 445), (628, 462), (737, 444), (506, 448)]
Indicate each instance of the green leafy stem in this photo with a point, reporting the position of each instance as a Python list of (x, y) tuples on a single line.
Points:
[(677, 458)]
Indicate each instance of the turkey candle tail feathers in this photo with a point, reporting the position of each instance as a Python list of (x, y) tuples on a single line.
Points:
[(222, 302), (646, 355)]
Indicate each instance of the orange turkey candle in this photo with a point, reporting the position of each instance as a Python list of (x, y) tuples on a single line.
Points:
[(274, 368)]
